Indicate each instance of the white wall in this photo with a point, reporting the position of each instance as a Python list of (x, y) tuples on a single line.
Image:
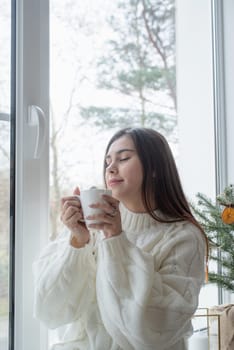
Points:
[(195, 102), (195, 97), (195, 106)]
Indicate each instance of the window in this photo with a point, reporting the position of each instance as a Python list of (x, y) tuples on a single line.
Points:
[(107, 72), (96, 85), (109, 69)]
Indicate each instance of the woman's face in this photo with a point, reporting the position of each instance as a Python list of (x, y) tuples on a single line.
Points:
[(124, 173)]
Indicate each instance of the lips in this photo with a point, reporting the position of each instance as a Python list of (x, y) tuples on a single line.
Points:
[(114, 182)]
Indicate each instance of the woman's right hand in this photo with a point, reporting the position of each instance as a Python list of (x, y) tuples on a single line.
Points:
[(71, 216)]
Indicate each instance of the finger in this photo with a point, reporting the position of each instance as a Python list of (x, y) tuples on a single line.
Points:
[(71, 203), (69, 212), (74, 224), (111, 200), (97, 226), (69, 198), (69, 208), (76, 191), (73, 213), (102, 218), (107, 208), (72, 197)]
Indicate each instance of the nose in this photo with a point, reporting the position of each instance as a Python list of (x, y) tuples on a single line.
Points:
[(112, 169)]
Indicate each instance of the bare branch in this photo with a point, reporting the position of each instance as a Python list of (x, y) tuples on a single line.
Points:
[(157, 44)]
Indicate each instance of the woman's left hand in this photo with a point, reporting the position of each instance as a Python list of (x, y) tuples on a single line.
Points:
[(109, 220)]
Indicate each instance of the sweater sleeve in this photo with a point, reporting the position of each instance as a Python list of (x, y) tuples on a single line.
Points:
[(64, 282), (148, 299)]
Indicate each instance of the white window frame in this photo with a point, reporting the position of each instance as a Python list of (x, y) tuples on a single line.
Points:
[(32, 175)]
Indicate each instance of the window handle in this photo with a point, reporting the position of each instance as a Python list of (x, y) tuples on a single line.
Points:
[(36, 118)]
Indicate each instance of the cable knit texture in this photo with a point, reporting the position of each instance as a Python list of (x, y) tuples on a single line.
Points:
[(136, 291)]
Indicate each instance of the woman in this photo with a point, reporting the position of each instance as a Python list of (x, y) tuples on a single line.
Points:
[(133, 280)]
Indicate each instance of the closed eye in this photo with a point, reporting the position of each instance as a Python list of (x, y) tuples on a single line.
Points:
[(123, 159)]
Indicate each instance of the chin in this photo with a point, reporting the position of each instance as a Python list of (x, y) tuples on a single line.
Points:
[(116, 194)]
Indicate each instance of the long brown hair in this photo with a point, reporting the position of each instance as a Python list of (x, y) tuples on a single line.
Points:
[(160, 176)]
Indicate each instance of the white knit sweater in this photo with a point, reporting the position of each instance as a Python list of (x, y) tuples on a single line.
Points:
[(136, 291)]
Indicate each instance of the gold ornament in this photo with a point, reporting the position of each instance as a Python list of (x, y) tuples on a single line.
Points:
[(228, 215)]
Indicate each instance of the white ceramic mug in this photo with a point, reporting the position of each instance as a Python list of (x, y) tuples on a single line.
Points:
[(92, 196)]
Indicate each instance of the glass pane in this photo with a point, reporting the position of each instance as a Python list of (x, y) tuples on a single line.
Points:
[(5, 61), (109, 69)]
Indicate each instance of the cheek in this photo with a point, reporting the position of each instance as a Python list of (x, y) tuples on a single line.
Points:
[(136, 177), (139, 179)]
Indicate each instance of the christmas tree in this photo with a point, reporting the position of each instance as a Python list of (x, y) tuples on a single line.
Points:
[(217, 220)]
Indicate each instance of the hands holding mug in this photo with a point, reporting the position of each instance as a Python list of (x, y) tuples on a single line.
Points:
[(90, 209), (107, 218), (72, 217)]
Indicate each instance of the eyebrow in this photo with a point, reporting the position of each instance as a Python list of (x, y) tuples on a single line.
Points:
[(121, 151)]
